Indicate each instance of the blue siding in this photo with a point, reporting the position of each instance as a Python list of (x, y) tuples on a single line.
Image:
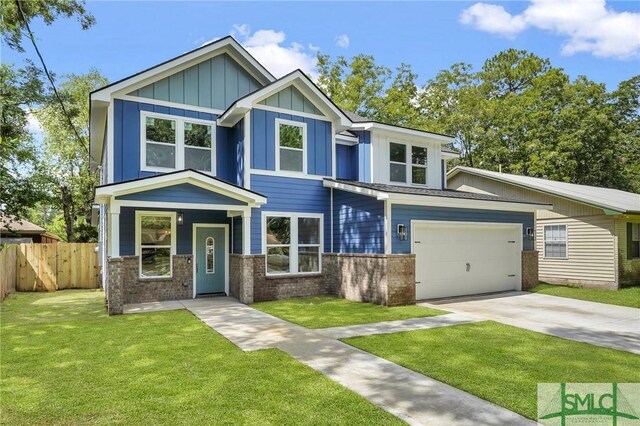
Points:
[(182, 193), (346, 166), (214, 83), (236, 154), (127, 140), (363, 157), (183, 232), (404, 214), (358, 223), (263, 143), (289, 195)]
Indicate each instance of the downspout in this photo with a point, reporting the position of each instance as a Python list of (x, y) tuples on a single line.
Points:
[(331, 220)]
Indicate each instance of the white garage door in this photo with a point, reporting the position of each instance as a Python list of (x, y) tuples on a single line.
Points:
[(454, 259)]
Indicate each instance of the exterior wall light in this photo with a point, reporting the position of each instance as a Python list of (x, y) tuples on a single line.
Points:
[(402, 231), (180, 219)]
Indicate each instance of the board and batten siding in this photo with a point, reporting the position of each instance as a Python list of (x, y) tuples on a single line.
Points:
[(182, 193), (346, 162), (126, 150), (289, 195), (358, 223), (561, 206), (404, 214), (263, 142), (214, 83), (591, 252), (628, 269), (291, 98)]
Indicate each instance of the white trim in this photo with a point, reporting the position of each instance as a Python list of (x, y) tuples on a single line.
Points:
[(175, 205), (293, 175), (334, 161), (113, 239), (110, 144), (463, 203), (194, 256), (138, 242), (356, 189), (301, 124), (246, 146), (346, 140), (152, 101), (401, 130), (293, 245), (246, 232), (518, 226), (566, 242), (448, 155), (331, 218), (226, 45), (179, 144), (290, 112), (388, 231)]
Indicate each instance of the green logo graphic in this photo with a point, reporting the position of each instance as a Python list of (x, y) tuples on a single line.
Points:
[(564, 404)]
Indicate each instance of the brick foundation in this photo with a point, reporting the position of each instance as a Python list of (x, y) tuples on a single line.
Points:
[(241, 277), (529, 269), (115, 282)]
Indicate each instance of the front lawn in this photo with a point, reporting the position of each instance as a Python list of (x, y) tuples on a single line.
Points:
[(629, 296), (323, 312), (63, 361), (501, 363)]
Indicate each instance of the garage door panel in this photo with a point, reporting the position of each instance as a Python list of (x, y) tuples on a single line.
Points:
[(443, 252)]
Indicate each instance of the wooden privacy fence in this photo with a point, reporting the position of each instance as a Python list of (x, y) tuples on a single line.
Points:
[(8, 256), (51, 267)]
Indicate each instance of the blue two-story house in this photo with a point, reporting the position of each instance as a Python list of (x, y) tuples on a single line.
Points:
[(219, 179)]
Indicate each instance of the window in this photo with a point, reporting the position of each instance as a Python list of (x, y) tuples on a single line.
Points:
[(155, 243), (398, 160), (555, 241), (291, 139), (634, 240), (419, 165), (170, 143), (293, 243), (399, 170), (210, 253)]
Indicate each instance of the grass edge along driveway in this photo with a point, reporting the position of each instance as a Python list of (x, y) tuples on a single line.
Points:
[(64, 361), (501, 363), (327, 311), (626, 296)]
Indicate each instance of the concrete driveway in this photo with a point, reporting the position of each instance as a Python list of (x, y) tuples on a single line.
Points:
[(611, 326)]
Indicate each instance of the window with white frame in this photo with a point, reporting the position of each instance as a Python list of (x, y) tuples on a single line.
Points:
[(555, 241), (407, 163), (170, 143), (291, 140), (293, 243), (155, 243)]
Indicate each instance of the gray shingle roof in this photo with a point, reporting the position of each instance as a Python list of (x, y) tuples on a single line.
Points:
[(447, 193), (356, 118)]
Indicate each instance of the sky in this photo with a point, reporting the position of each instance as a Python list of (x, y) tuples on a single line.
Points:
[(585, 37)]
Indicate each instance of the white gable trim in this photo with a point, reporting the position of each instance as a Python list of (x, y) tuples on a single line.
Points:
[(406, 132), (105, 193)]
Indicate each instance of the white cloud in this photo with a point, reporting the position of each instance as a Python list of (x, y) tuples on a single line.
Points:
[(270, 49), (342, 41), (588, 25), (34, 126)]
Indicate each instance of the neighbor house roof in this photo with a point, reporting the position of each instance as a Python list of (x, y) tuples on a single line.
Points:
[(613, 200), (15, 226)]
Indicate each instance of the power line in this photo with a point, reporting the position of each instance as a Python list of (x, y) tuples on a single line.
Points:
[(53, 85)]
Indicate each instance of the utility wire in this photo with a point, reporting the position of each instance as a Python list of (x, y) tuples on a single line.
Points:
[(53, 85)]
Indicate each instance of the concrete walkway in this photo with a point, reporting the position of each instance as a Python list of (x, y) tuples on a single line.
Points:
[(612, 326), (413, 397)]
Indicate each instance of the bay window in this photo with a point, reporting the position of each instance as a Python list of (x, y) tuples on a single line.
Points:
[(175, 143), (155, 243), (293, 243)]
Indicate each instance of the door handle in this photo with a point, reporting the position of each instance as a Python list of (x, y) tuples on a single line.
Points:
[(468, 267)]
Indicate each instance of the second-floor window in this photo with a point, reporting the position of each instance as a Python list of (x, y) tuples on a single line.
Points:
[(407, 163), (291, 143), (175, 143)]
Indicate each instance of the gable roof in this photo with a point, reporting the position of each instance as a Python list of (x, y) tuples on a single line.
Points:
[(298, 78), (19, 226), (613, 200)]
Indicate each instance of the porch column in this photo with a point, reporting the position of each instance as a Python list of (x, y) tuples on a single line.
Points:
[(114, 230), (246, 231)]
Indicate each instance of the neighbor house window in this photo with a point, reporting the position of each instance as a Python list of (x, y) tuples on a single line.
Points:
[(293, 243), (176, 143), (155, 243), (290, 137), (634, 240), (555, 241), (418, 165), (398, 162)]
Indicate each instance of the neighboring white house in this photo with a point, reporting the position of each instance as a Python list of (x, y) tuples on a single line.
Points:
[(590, 238)]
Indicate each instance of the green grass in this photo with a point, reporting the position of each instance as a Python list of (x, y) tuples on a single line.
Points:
[(323, 312), (63, 361), (629, 296), (500, 363)]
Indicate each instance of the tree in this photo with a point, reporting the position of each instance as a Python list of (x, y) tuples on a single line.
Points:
[(12, 24), (67, 159)]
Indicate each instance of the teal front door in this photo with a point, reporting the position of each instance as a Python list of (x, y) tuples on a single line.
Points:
[(210, 260)]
